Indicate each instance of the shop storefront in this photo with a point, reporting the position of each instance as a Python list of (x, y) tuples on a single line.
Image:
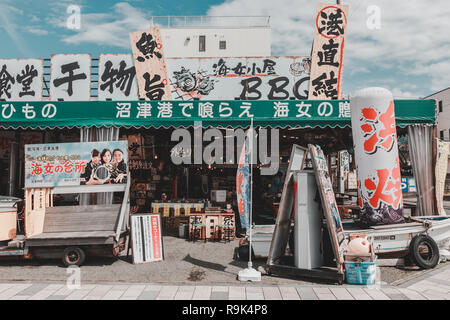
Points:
[(199, 186)]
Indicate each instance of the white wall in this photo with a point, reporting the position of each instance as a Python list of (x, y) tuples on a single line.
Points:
[(239, 42), (443, 118)]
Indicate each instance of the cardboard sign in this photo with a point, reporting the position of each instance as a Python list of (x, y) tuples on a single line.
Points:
[(21, 79), (328, 52), (329, 205), (116, 77), (441, 173), (70, 77), (150, 65), (72, 164), (146, 238)]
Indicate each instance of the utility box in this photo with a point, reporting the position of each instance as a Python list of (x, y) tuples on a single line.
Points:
[(308, 222)]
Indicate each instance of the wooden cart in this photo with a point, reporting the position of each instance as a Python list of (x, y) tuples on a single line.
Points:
[(71, 232)]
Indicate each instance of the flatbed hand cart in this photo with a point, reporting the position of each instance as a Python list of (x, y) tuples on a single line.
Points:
[(71, 233)]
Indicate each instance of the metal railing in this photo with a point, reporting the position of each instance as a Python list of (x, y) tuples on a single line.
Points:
[(209, 21)]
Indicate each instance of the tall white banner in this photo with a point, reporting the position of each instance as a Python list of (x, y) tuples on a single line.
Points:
[(376, 156)]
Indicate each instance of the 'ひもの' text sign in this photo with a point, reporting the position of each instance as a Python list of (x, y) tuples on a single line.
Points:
[(150, 65), (328, 52)]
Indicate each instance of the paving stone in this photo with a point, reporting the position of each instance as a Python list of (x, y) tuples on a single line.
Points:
[(202, 293), (271, 293), (215, 295), (376, 294), (341, 294), (394, 294), (19, 297), (289, 293), (15, 289), (237, 293), (412, 294), (113, 295), (167, 293), (219, 289), (184, 293), (307, 293), (33, 289), (254, 293), (54, 297), (148, 295), (359, 294)]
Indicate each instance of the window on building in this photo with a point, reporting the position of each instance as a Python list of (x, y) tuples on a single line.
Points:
[(201, 43), (441, 134), (440, 106), (222, 45)]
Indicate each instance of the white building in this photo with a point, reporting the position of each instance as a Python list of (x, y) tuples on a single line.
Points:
[(205, 36), (443, 116)]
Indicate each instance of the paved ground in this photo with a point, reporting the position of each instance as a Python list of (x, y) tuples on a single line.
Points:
[(434, 285), (184, 263)]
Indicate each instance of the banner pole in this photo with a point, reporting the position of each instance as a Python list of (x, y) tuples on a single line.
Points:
[(251, 194)]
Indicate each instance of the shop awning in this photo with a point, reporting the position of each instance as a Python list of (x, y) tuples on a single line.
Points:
[(219, 114)]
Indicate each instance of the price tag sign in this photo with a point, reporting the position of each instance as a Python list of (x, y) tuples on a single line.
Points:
[(155, 207), (198, 207), (176, 208), (187, 209), (166, 209)]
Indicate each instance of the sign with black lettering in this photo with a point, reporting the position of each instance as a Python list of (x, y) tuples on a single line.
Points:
[(245, 78), (146, 238)]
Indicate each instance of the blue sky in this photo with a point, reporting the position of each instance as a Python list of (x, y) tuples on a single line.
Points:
[(409, 54)]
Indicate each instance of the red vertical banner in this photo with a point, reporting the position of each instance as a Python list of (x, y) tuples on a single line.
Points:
[(156, 237), (328, 52)]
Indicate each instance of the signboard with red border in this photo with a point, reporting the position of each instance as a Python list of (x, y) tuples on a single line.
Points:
[(146, 238)]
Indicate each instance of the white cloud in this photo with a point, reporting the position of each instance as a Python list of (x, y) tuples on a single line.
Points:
[(413, 39), (8, 15), (110, 29), (37, 31)]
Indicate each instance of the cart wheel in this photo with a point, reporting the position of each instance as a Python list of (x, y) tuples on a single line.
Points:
[(424, 251), (73, 256)]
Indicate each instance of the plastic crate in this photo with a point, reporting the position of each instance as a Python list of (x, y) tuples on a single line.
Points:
[(361, 272)]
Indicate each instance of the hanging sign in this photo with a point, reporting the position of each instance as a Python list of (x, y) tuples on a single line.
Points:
[(70, 77), (328, 52), (151, 72), (146, 238), (329, 205), (243, 78), (116, 77), (21, 79), (376, 156)]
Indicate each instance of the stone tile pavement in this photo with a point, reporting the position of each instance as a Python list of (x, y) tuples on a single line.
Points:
[(433, 285)]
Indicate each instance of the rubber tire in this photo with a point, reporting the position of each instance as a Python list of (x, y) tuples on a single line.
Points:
[(416, 242), (76, 250)]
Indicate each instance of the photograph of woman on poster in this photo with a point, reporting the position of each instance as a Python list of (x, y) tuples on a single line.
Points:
[(119, 174), (87, 177)]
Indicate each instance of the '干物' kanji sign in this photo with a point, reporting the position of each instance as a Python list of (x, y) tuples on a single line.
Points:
[(116, 77), (150, 65), (328, 52), (70, 78), (21, 79)]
